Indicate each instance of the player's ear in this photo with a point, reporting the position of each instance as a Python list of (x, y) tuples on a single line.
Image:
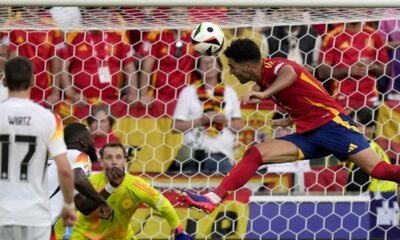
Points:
[(248, 67), (83, 142), (5, 82)]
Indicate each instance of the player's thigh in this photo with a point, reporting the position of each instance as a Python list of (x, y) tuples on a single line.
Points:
[(278, 151), (365, 159), (24, 232), (340, 137)]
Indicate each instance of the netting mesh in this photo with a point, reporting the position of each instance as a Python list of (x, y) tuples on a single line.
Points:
[(159, 18), (130, 74)]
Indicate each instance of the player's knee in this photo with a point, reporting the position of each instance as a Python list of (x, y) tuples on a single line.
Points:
[(253, 153)]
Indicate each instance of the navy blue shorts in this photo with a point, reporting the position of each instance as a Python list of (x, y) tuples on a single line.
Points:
[(339, 137)]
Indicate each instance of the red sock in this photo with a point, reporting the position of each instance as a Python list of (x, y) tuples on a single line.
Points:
[(241, 173), (386, 171)]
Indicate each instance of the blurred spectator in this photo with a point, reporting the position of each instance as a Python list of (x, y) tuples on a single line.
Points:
[(100, 124), (166, 66), (208, 113), (42, 48), (99, 67), (391, 32), (99, 64), (353, 55), (358, 180), (298, 43)]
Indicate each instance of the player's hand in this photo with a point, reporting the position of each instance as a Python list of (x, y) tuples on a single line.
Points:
[(283, 122), (253, 97), (68, 216), (115, 175), (105, 211)]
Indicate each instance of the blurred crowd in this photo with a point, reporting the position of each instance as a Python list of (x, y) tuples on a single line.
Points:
[(100, 76)]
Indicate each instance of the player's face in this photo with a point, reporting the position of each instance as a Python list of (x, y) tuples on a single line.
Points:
[(113, 157), (239, 70)]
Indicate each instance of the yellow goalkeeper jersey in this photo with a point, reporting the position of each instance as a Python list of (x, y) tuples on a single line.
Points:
[(126, 198)]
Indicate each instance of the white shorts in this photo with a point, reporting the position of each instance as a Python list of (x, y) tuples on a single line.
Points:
[(15, 232)]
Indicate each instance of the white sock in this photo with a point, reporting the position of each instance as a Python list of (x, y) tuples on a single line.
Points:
[(214, 197)]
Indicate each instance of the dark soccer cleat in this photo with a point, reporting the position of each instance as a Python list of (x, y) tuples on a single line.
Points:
[(197, 201)]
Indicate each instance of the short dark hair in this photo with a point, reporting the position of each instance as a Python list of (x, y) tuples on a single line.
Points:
[(98, 108), (74, 132), (243, 50), (112, 145), (18, 72), (363, 116)]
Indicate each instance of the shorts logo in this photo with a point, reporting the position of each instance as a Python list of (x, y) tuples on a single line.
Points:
[(352, 147)]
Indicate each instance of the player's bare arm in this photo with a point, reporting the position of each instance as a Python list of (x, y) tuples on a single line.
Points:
[(286, 76), (86, 205), (83, 185)]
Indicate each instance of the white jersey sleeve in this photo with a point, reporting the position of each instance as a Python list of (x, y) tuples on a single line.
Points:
[(56, 142)]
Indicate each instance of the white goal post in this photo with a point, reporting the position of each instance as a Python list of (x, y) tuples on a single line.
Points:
[(208, 3)]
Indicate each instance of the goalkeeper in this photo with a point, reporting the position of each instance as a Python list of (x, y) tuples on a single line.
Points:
[(124, 193)]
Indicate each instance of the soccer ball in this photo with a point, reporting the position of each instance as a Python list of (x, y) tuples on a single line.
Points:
[(207, 38)]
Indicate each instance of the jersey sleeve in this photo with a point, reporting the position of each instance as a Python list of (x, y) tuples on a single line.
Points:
[(82, 161), (272, 67), (155, 200), (56, 143)]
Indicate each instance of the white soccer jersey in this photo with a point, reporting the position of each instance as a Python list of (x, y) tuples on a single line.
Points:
[(27, 133), (76, 159), (3, 92)]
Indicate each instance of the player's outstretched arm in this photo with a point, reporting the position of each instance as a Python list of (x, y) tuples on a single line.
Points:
[(154, 199), (83, 185), (66, 180), (86, 205)]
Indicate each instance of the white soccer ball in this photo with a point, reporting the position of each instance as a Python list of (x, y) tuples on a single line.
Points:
[(207, 38)]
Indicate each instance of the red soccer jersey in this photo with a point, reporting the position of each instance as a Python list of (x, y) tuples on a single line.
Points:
[(175, 65), (342, 49), (306, 100), (40, 47), (88, 52)]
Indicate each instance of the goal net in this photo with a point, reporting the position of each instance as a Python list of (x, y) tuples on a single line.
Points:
[(130, 74)]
